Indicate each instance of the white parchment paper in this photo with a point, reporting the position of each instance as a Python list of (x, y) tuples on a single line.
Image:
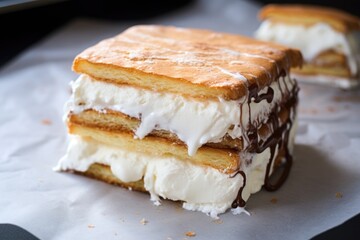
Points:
[(322, 191)]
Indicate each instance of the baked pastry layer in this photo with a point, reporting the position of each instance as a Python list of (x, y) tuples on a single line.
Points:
[(224, 160), (340, 82), (309, 15), (188, 62)]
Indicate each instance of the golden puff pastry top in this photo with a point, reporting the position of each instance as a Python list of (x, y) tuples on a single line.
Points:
[(192, 62), (309, 15)]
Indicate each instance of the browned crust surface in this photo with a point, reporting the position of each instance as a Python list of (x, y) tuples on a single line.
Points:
[(224, 160), (114, 121), (103, 173), (309, 15), (329, 63), (335, 71), (186, 61)]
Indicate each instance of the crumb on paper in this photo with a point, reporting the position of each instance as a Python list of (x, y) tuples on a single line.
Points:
[(169, 238), (274, 200), (217, 221), (130, 188), (190, 234), (338, 195), (331, 109), (351, 98), (179, 208), (143, 221), (313, 111), (91, 226), (46, 121)]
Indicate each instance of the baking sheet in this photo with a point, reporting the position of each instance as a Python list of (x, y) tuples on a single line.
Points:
[(322, 191)]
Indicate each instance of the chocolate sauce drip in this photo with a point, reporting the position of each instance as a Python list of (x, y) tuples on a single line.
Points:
[(275, 140), (282, 73), (239, 201), (291, 105), (252, 133), (254, 94)]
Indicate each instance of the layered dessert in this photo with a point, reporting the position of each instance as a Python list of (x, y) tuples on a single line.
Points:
[(328, 39), (189, 115)]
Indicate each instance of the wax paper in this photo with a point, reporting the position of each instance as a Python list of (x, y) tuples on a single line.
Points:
[(322, 191)]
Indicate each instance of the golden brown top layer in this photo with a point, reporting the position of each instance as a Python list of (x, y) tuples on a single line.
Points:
[(192, 62), (308, 15)]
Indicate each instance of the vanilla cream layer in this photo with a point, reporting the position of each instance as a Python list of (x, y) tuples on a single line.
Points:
[(195, 122), (312, 40), (200, 188)]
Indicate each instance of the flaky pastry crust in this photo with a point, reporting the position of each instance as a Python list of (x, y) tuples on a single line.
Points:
[(309, 15), (192, 62)]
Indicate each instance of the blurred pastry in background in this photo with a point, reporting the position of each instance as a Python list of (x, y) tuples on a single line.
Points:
[(328, 39)]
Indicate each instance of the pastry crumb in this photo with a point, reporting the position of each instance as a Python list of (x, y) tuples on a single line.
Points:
[(331, 109), (351, 98), (313, 111), (91, 226), (46, 121), (144, 221), (274, 200), (190, 234), (218, 221), (130, 188), (338, 195)]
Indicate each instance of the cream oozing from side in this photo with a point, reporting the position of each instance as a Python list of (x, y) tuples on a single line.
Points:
[(200, 188), (312, 40), (195, 122)]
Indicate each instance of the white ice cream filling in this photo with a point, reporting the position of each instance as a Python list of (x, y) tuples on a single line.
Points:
[(195, 122), (312, 40), (200, 188)]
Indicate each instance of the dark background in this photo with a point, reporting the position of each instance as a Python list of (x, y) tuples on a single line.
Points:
[(23, 24)]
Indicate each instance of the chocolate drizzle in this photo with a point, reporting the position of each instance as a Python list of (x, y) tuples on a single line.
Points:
[(239, 201), (254, 94), (279, 136)]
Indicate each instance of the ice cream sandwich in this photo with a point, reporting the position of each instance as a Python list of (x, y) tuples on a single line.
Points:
[(189, 115), (328, 39)]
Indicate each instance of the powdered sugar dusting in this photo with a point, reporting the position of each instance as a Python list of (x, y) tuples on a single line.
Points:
[(235, 75)]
